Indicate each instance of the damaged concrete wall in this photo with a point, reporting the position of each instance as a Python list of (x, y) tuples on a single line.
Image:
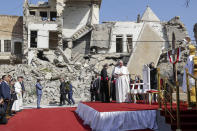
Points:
[(13, 28), (11, 38), (42, 33), (101, 36), (124, 29), (82, 45), (75, 17), (95, 13), (175, 25)]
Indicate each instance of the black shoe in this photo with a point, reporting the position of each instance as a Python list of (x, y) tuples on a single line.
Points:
[(38, 107), (11, 114), (14, 112)]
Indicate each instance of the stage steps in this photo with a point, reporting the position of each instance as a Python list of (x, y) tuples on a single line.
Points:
[(188, 119)]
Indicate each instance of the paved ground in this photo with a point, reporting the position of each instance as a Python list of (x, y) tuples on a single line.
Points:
[(48, 106)]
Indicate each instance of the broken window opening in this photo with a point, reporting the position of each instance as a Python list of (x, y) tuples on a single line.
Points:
[(7, 46), (43, 15), (18, 48), (119, 44), (53, 16), (129, 43), (53, 40), (33, 13), (40, 55), (33, 39), (65, 45)]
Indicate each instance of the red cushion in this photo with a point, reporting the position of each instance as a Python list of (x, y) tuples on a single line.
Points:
[(153, 91)]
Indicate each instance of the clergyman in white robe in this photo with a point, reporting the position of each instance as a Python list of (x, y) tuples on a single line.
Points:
[(190, 66), (122, 84), (18, 104)]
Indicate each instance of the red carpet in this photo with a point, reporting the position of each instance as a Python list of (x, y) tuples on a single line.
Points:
[(56, 119), (110, 107)]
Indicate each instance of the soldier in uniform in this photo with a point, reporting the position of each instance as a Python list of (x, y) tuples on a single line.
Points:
[(62, 91)]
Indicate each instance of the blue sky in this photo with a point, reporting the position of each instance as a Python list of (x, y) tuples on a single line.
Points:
[(127, 10)]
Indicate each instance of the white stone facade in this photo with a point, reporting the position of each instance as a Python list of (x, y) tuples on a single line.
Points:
[(42, 34)]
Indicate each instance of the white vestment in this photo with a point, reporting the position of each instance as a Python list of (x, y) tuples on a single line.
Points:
[(18, 104), (122, 84), (190, 66)]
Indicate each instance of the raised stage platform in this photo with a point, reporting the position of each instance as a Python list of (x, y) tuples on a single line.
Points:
[(118, 116)]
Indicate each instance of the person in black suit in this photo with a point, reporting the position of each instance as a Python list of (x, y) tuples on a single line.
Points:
[(3, 119), (1, 95), (113, 88), (5, 88), (70, 93), (22, 85), (64, 89), (13, 96), (97, 83), (153, 77), (92, 90), (62, 92), (104, 85)]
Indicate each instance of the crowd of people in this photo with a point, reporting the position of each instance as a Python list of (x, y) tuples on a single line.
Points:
[(117, 87), (11, 96), (12, 91)]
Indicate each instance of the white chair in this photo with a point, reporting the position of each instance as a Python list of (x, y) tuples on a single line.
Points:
[(146, 86), (136, 91)]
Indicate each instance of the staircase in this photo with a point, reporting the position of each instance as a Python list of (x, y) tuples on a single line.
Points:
[(188, 120), (81, 32), (63, 55), (77, 58)]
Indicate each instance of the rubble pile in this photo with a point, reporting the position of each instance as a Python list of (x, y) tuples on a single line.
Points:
[(49, 71), (166, 68)]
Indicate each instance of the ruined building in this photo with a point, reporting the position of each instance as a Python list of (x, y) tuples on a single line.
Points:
[(63, 38), (71, 29), (59, 23), (11, 39), (142, 40)]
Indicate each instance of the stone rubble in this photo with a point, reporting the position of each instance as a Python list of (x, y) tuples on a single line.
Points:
[(50, 71)]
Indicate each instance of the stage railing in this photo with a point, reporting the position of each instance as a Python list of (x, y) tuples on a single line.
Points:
[(188, 89), (165, 93)]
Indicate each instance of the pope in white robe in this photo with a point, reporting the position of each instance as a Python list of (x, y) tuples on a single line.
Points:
[(122, 83), (18, 104)]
